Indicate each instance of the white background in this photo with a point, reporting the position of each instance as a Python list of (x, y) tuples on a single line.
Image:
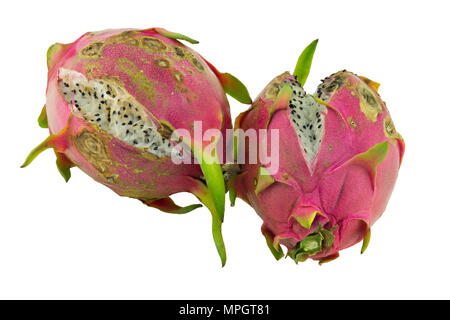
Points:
[(80, 240)]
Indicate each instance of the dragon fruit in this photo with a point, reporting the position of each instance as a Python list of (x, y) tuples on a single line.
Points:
[(116, 100), (339, 156)]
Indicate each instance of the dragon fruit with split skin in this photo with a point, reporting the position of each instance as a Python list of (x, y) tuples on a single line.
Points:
[(115, 102), (339, 156)]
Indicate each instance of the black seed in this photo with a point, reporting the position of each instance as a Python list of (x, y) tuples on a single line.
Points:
[(319, 126), (139, 117), (103, 102), (123, 108), (114, 112), (108, 93), (77, 84), (125, 116), (97, 114), (95, 95), (135, 142), (66, 85), (147, 141), (130, 122), (310, 126), (98, 119), (123, 123)]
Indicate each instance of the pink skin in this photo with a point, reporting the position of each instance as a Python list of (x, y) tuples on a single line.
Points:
[(350, 193), (197, 95)]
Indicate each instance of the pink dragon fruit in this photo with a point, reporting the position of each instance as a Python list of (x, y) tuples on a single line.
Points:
[(115, 101), (339, 156)]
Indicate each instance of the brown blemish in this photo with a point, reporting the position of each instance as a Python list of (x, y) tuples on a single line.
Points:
[(368, 103), (272, 91), (139, 79), (389, 128), (162, 63), (273, 88), (112, 178), (132, 42), (333, 86), (124, 37), (352, 122), (93, 50), (150, 156), (153, 44), (165, 131), (93, 71), (197, 64), (93, 149), (178, 76), (330, 148), (179, 52)]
